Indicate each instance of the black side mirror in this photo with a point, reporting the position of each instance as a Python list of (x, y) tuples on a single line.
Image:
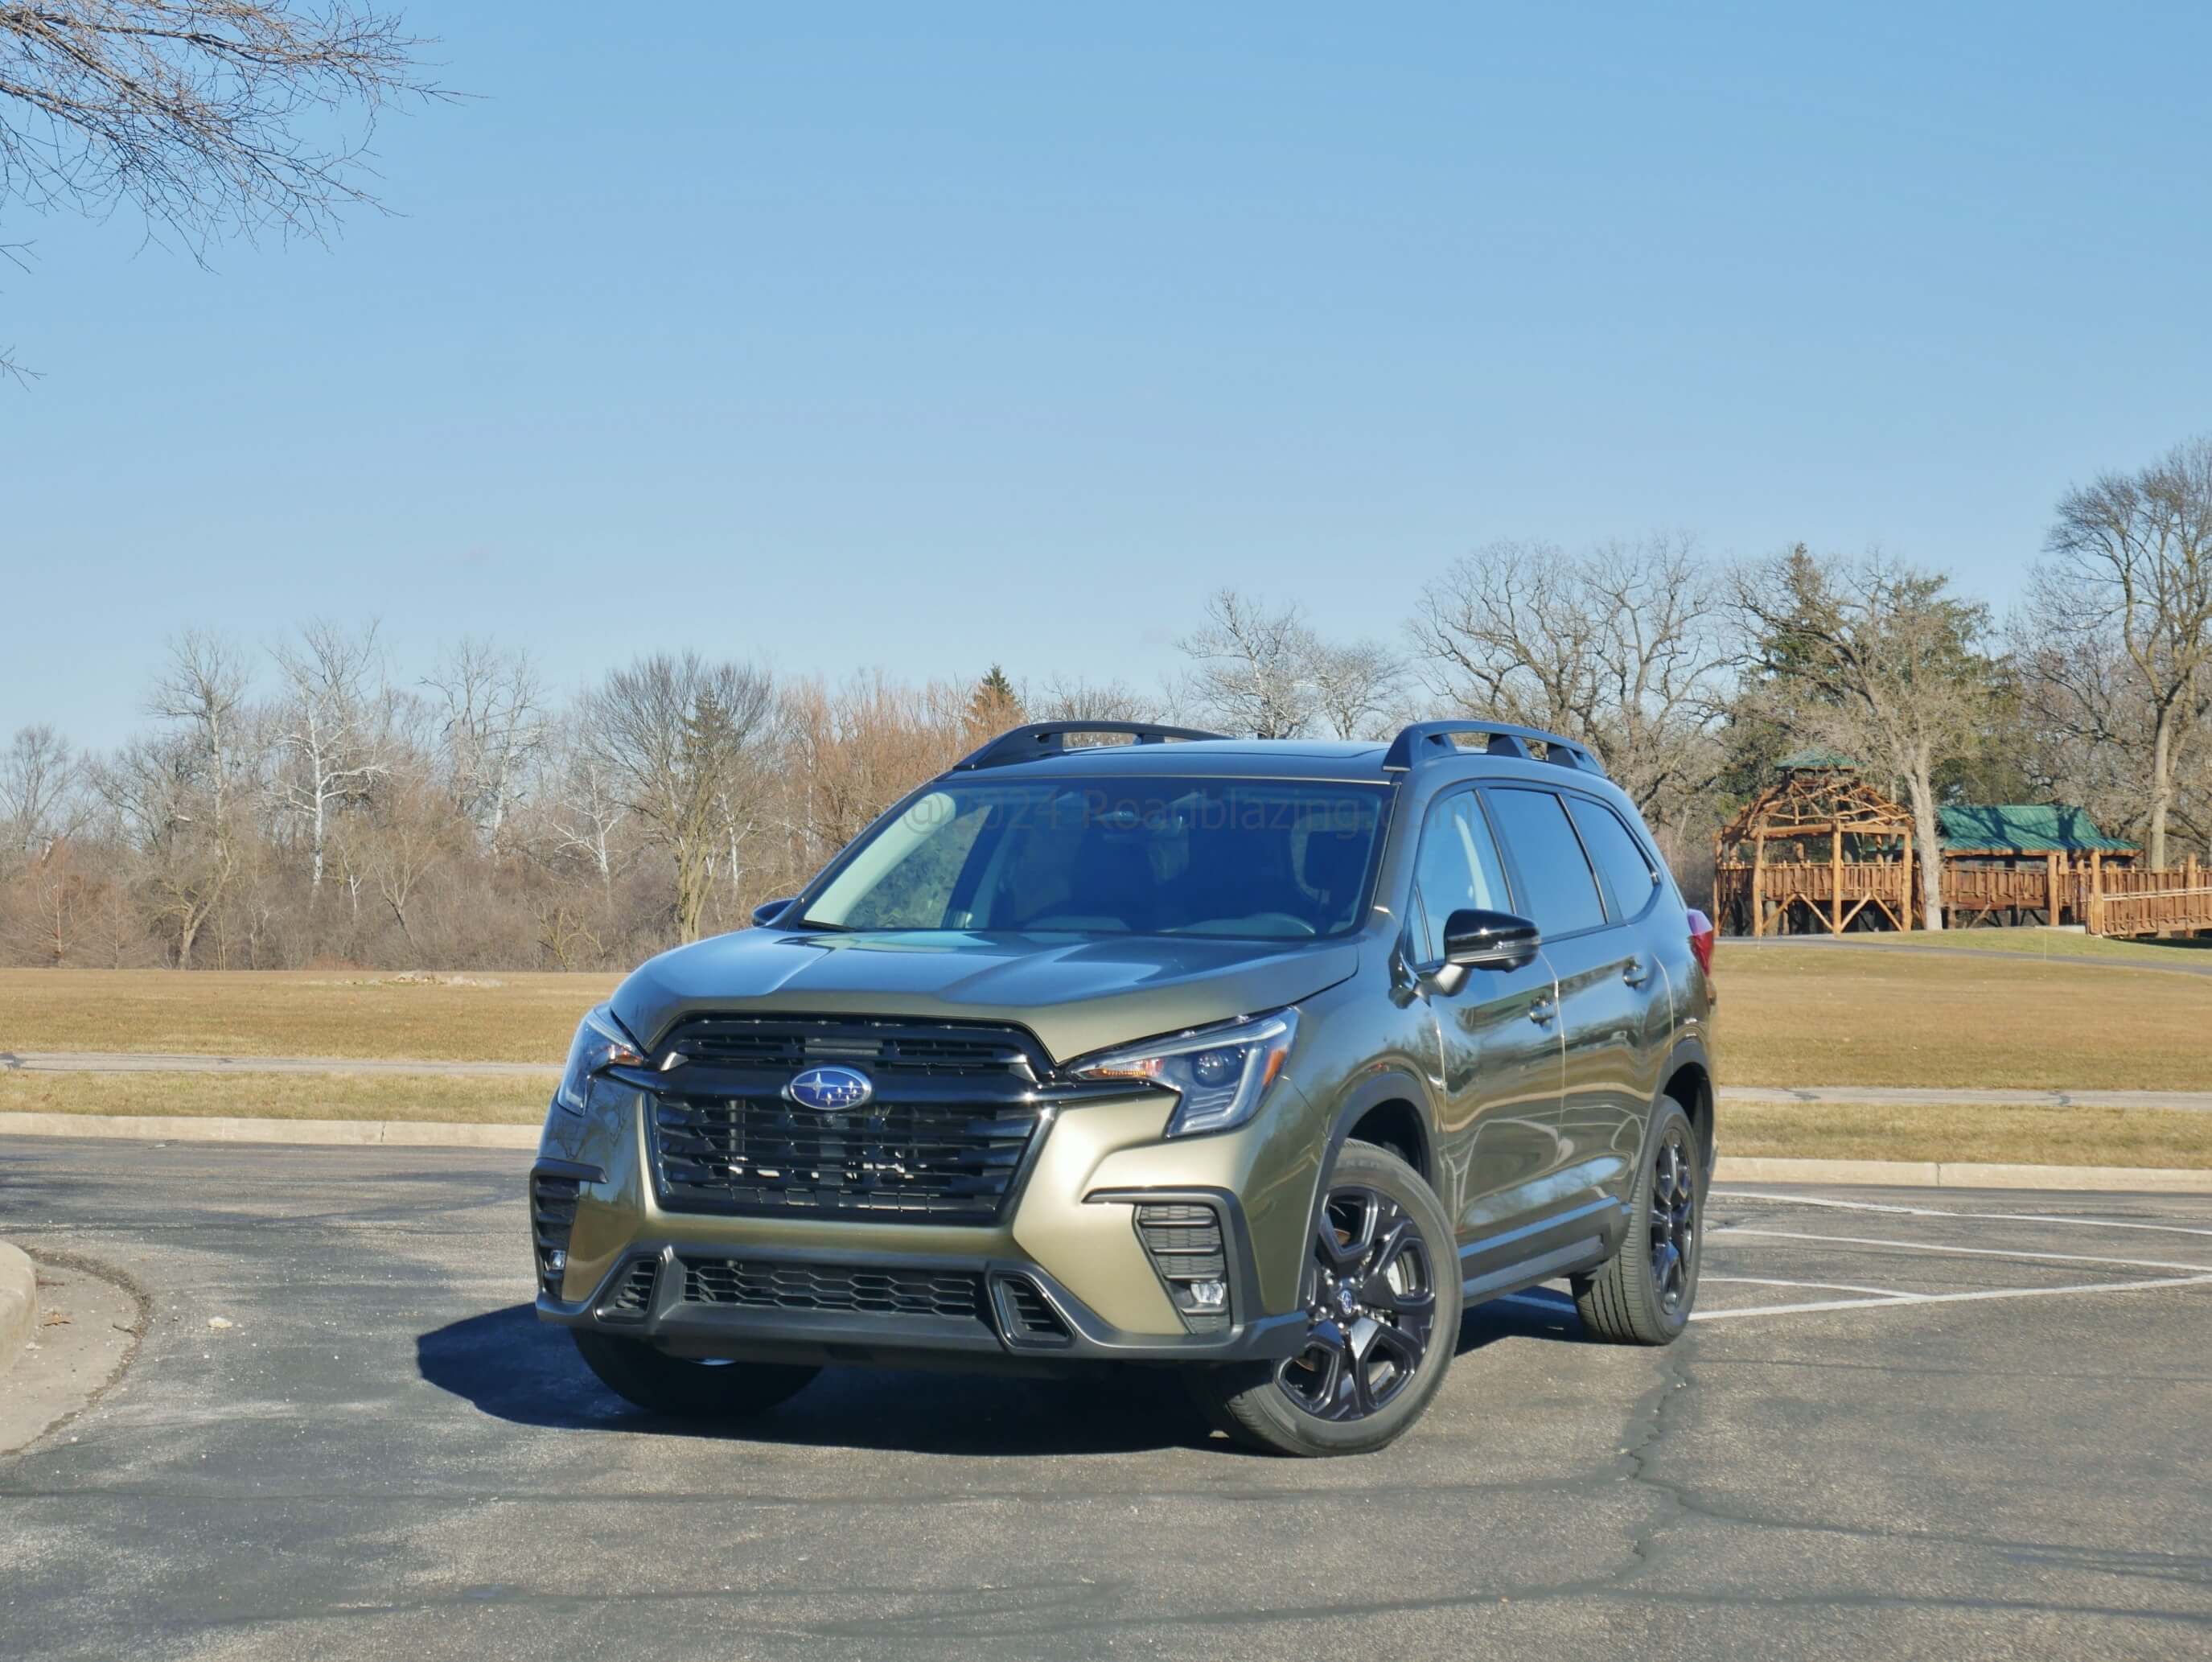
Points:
[(1478, 940), (768, 911)]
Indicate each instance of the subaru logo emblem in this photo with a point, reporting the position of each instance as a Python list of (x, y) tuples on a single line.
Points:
[(831, 1090)]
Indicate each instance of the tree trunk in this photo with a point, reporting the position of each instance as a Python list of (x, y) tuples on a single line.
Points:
[(2161, 785), (695, 877), (1927, 832)]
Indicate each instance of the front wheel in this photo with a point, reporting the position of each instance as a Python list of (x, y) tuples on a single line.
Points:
[(683, 1387), (1645, 1294), (1382, 1293)]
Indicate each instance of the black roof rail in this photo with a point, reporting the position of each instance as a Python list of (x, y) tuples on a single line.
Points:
[(1038, 740), (1430, 742)]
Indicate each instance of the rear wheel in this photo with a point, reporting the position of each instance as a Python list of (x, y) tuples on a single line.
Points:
[(1645, 1294), (686, 1387), (1382, 1294)]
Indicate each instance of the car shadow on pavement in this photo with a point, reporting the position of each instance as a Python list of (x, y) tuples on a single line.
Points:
[(512, 1366)]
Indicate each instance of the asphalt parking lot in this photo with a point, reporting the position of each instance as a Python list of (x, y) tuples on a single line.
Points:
[(1910, 1424)]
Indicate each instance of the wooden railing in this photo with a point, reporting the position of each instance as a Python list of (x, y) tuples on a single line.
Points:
[(1803, 895)]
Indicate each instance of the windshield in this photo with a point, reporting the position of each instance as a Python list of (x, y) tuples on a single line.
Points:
[(1270, 859)]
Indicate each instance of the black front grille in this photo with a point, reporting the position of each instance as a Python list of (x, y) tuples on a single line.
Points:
[(942, 1139), (770, 1284)]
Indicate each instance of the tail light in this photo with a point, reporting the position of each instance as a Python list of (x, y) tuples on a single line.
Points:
[(1702, 936)]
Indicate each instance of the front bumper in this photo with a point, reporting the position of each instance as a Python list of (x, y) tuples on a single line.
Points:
[(1066, 1277), (1020, 1314)]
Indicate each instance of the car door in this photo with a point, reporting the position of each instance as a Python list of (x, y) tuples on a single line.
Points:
[(1499, 1057), (1605, 984), (1635, 891)]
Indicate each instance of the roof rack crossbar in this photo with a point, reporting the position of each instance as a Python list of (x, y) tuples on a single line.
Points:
[(1431, 741), (1037, 739)]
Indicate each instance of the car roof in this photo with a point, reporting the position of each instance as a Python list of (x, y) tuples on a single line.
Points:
[(1256, 759), (1351, 760)]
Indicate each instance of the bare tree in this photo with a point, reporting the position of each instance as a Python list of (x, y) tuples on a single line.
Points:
[(1073, 700), (672, 734), (586, 810), (1621, 647), (493, 721), (2131, 559), (1358, 689), (209, 117), (329, 729), (182, 792), (1878, 661), (40, 800), (1252, 667)]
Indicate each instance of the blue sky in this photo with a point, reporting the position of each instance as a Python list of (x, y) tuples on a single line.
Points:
[(917, 337)]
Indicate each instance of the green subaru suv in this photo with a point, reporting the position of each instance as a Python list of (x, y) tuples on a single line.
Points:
[(1261, 1060)]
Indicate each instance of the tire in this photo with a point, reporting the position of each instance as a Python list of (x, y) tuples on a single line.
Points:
[(683, 1388), (1645, 1294), (1382, 1288)]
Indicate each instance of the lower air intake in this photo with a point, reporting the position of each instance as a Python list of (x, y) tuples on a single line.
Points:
[(773, 1284), (1026, 1316), (633, 1295)]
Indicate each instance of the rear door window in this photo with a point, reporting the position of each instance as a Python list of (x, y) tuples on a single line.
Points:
[(1559, 891), (1631, 880)]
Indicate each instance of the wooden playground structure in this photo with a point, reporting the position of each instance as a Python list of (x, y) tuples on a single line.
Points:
[(1822, 851)]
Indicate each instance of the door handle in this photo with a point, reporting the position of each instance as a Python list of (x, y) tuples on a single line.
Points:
[(1543, 1010), (1636, 972)]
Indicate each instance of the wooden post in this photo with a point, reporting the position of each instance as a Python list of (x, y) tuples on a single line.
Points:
[(1836, 877), (2050, 876), (1759, 884), (1716, 880), (1906, 911), (2096, 918)]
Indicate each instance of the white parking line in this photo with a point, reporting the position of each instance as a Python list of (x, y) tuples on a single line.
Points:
[(1946, 1298), (1934, 1212), (1816, 1287)]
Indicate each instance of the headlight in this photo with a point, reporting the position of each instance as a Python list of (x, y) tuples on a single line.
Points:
[(1220, 1072), (599, 1044)]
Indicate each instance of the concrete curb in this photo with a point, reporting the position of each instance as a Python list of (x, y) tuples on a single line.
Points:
[(1962, 1174), (18, 1304), (224, 1128), (1893, 1096), (1733, 1168)]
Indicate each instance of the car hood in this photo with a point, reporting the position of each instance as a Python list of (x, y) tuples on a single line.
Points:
[(1075, 995)]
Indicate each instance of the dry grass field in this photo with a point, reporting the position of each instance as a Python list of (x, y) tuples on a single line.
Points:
[(283, 1096), (1788, 1016), (525, 1017), (2027, 1135), (1814, 1015)]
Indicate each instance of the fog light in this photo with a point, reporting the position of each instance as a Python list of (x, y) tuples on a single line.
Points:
[(556, 1264), (1183, 1240)]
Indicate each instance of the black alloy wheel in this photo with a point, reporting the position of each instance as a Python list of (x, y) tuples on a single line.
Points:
[(1673, 1217), (1645, 1293), (1372, 1302)]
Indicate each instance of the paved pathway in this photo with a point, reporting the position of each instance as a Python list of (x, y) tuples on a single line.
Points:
[(99, 1062)]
